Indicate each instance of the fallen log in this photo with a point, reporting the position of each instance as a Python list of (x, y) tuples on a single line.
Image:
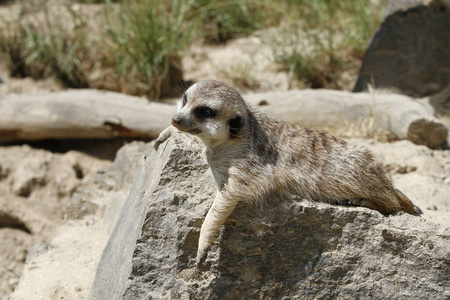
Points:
[(104, 115), (331, 110), (81, 114)]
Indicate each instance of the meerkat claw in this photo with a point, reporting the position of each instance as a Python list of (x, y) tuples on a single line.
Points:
[(156, 144), (199, 262), (163, 136)]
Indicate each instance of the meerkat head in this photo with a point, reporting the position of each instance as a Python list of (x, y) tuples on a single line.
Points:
[(212, 111)]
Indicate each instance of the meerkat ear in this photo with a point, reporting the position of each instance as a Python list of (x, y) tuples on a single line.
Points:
[(235, 125)]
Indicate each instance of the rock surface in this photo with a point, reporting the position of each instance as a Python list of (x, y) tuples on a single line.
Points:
[(288, 249), (409, 53)]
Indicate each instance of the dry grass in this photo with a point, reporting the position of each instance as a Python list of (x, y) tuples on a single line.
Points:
[(318, 38), (137, 43), (49, 42)]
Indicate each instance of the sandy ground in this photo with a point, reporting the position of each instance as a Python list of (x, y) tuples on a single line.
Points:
[(37, 196)]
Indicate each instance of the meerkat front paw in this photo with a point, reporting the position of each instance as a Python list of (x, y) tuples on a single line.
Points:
[(222, 207), (201, 257), (163, 136), (158, 142)]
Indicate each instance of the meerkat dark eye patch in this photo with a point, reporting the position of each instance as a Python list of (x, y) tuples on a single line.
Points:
[(204, 112), (235, 125), (184, 100)]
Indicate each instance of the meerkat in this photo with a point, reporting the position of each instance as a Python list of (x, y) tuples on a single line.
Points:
[(252, 156)]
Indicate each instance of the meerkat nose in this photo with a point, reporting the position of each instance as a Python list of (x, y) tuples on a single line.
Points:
[(176, 120)]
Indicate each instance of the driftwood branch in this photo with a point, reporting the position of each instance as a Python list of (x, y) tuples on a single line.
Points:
[(332, 110), (97, 114), (81, 114)]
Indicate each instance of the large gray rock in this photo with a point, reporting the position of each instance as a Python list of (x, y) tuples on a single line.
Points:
[(409, 53), (153, 184), (287, 249)]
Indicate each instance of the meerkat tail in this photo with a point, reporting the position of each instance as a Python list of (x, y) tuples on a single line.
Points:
[(399, 202), (378, 206), (406, 205)]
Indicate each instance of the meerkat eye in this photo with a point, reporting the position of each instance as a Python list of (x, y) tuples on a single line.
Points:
[(184, 100), (204, 112), (235, 125)]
